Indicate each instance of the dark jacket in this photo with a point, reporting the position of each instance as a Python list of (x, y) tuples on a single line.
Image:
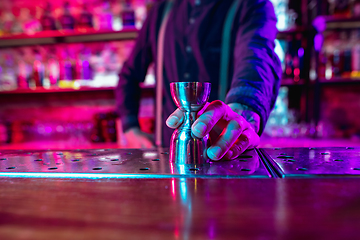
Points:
[(192, 53)]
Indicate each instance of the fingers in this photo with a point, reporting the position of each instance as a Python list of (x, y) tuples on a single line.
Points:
[(247, 140), (175, 119), (227, 138), (206, 121)]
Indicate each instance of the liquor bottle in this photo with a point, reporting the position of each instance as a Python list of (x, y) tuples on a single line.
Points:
[(23, 71), (322, 64), (340, 8), (289, 65), (67, 68), (105, 17), (30, 24), (8, 79), (38, 69), (67, 21), (53, 68), (337, 58), (87, 71), (355, 60), (7, 18), (128, 14), (298, 56), (356, 8), (85, 20), (46, 20), (347, 46)]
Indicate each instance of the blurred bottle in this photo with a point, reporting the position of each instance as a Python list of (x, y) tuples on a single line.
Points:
[(17, 133), (38, 69), (85, 66), (347, 48), (17, 24), (8, 79), (322, 63), (97, 134), (7, 18), (47, 20), (30, 24), (356, 8), (289, 65), (128, 14), (104, 17), (67, 21), (355, 61), (104, 129), (340, 8), (109, 132), (85, 20), (337, 56), (4, 133), (53, 68), (24, 71), (67, 68), (298, 58)]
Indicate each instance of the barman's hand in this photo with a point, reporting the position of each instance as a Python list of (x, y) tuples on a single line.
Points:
[(232, 128)]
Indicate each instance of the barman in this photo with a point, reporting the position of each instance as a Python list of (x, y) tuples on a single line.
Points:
[(229, 43)]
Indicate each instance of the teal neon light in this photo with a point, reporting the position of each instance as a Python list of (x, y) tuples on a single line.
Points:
[(111, 175)]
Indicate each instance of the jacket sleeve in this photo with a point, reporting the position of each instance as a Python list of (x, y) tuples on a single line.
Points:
[(257, 68), (133, 72)]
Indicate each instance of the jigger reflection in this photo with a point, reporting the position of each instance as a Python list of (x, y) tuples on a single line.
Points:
[(185, 148)]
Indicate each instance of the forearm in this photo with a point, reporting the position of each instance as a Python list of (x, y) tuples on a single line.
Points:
[(257, 70)]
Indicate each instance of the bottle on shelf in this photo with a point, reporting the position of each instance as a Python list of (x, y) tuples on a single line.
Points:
[(24, 71), (104, 16), (30, 24), (17, 24), (85, 66), (128, 15), (356, 8), (8, 79), (7, 19), (67, 21), (53, 68), (67, 68), (47, 21), (85, 20), (347, 48), (355, 53), (289, 65), (340, 8), (38, 69)]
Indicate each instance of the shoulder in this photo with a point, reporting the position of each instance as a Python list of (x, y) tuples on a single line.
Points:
[(157, 9), (250, 7)]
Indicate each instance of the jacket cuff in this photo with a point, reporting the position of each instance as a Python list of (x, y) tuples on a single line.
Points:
[(255, 104)]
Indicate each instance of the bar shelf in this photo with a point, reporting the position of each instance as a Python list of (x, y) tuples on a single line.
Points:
[(339, 80), (68, 36), (333, 23), (291, 82), (290, 32), (59, 90)]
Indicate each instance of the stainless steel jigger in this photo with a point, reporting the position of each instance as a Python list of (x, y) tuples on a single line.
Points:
[(185, 148)]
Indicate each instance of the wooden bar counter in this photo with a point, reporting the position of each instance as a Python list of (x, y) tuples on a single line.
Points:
[(170, 206)]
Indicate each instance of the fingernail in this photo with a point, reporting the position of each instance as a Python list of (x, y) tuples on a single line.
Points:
[(200, 128), (214, 152), (172, 120)]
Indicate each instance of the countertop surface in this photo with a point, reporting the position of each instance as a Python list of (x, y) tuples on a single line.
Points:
[(124, 202)]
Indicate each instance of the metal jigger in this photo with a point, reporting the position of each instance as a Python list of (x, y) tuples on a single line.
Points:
[(185, 148)]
